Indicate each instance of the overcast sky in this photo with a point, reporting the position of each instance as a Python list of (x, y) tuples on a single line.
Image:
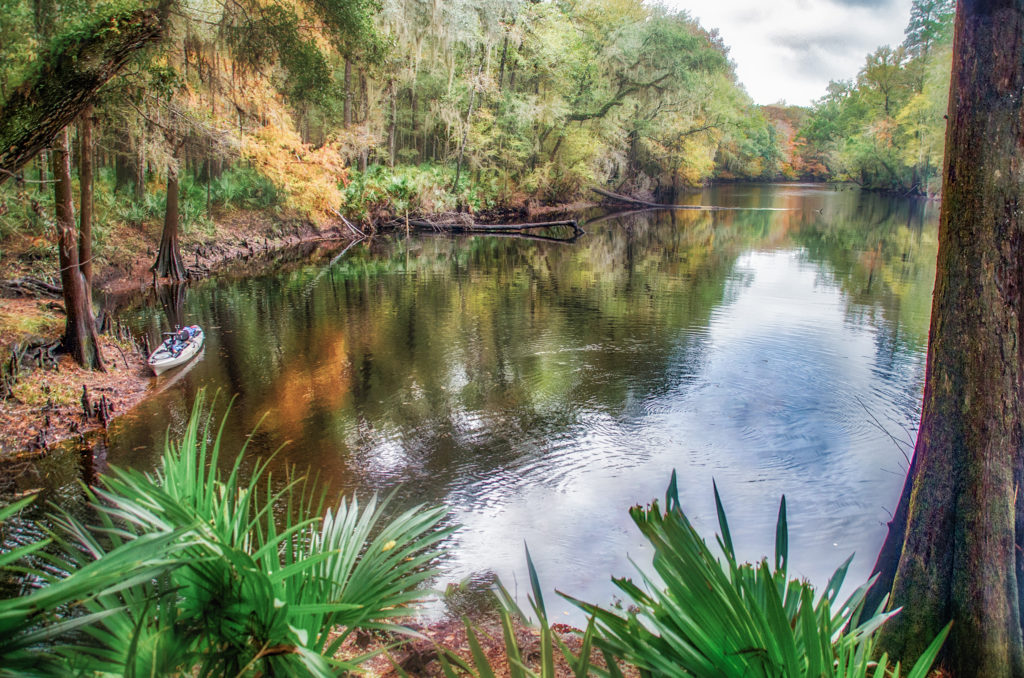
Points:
[(790, 49)]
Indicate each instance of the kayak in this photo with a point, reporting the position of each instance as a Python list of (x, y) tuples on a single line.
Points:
[(177, 349)]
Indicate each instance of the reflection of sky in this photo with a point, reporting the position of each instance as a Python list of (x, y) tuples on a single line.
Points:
[(780, 406), (540, 390)]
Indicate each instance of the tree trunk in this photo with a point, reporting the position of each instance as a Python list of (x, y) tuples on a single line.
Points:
[(80, 338), (140, 172), (465, 132), (85, 172), (67, 81), (364, 99), (955, 555), (347, 107), (43, 162), (501, 69), (393, 126), (168, 262), (414, 126)]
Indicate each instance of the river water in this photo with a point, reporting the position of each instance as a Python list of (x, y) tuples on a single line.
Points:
[(540, 389)]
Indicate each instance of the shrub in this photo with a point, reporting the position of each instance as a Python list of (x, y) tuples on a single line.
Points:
[(714, 618), (205, 574), (708, 618)]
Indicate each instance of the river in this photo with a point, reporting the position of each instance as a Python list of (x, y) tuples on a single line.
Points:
[(540, 389)]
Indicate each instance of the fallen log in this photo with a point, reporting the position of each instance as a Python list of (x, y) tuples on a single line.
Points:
[(647, 203), (529, 236), (30, 287), (486, 228)]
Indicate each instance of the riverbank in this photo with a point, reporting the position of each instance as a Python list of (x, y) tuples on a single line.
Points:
[(59, 400), (45, 405)]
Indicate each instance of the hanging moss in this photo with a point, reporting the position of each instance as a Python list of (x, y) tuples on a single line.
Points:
[(80, 61)]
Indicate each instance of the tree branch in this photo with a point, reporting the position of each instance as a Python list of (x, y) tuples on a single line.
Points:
[(626, 88), (68, 80)]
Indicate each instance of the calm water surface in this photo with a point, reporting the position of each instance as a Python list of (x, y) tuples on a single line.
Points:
[(540, 389)]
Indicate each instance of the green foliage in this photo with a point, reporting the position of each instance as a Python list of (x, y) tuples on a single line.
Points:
[(238, 187), (415, 189), (886, 130), (18, 44), (53, 610), (24, 208), (244, 187), (706, 617), (931, 23), (206, 574), (273, 33)]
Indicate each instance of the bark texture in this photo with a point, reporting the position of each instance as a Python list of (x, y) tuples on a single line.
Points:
[(67, 82), (168, 260), (80, 338), (955, 531), (85, 178)]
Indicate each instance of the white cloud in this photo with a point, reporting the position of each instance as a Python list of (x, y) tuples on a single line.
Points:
[(790, 49)]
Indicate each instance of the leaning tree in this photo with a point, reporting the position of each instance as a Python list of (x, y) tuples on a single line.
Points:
[(68, 80), (954, 548), (63, 86)]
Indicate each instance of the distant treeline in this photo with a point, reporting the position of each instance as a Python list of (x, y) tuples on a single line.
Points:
[(885, 129), (323, 105)]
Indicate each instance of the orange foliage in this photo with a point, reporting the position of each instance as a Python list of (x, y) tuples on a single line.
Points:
[(311, 177)]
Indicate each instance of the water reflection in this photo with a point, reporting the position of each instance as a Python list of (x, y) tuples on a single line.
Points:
[(540, 389)]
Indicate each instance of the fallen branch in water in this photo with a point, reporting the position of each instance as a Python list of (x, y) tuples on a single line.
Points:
[(467, 226), (647, 203), (348, 223)]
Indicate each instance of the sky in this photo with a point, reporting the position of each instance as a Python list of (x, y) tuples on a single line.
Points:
[(790, 49)]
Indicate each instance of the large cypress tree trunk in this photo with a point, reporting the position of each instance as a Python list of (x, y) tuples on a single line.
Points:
[(80, 338), (951, 553), (168, 262)]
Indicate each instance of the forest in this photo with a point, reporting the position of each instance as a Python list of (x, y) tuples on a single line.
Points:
[(172, 123), (385, 107), (135, 139)]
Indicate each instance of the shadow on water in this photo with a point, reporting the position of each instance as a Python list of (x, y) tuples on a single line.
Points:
[(540, 389)]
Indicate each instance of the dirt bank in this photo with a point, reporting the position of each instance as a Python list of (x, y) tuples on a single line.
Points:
[(45, 404)]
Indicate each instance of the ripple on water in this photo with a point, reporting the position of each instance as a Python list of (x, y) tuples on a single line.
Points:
[(539, 391)]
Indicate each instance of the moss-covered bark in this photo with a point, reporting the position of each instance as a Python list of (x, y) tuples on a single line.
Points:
[(80, 338), (67, 81), (955, 532)]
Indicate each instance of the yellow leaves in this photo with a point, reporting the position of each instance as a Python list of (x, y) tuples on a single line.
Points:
[(697, 158), (390, 545), (310, 177)]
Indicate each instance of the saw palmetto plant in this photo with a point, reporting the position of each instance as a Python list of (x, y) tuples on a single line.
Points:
[(212, 575), (703, 616)]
